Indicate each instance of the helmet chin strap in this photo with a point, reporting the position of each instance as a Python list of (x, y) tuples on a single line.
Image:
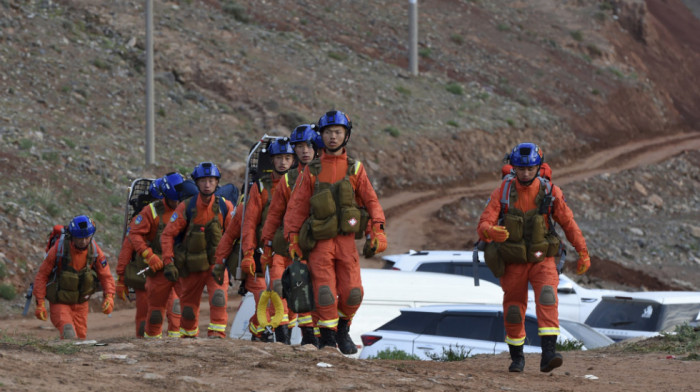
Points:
[(345, 142), (527, 183), (281, 173)]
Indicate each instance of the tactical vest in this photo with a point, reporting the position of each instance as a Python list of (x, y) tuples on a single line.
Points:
[(333, 209), (195, 253), (279, 244), (131, 272), (66, 285), (530, 239)]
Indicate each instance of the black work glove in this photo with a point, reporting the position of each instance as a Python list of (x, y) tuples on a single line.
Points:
[(218, 273), (170, 272)]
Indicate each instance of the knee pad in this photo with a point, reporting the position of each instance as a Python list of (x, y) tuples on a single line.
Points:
[(69, 332), (156, 317), (325, 296), (188, 313), (547, 295), (176, 307), (355, 297), (218, 299), (277, 286), (142, 329), (513, 315)]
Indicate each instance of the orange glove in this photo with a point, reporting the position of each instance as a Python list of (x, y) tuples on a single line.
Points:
[(266, 257), (152, 259), (496, 233), (294, 248), (248, 263), (40, 311), (122, 290), (583, 263), (108, 304), (378, 237)]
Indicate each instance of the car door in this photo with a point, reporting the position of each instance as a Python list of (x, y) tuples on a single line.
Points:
[(472, 332)]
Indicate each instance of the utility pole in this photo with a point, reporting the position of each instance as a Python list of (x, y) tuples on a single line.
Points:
[(413, 36), (150, 131)]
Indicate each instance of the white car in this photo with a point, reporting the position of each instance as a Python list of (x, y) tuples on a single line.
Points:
[(645, 314), (476, 329), (575, 302), (386, 293)]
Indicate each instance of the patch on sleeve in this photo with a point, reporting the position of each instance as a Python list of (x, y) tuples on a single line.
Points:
[(138, 220), (173, 218), (103, 262)]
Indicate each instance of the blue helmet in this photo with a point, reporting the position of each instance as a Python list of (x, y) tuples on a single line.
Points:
[(81, 227), (526, 154), (280, 146), (205, 169), (335, 117), (155, 189), (306, 133), (172, 184)]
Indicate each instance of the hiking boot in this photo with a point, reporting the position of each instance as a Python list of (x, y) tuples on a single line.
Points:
[(550, 358), (345, 343), (282, 334), (264, 337), (518, 359), (308, 336), (327, 338)]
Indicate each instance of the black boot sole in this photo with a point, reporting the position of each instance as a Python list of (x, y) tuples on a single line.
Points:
[(552, 364)]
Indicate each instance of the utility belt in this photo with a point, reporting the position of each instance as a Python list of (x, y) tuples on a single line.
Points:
[(196, 252), (72, 287)]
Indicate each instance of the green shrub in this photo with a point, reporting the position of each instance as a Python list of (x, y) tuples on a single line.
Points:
[(577, 35), (395, 354), (338, 56), (424, 52), (393, 131), (569, 345), (99, 216), (7, 291), (25, 144), (237, 11), (3, 269), (456, 38), (452, 123), (454, 88), (503, 27), (403, 90), (69, 143), (449, 354)]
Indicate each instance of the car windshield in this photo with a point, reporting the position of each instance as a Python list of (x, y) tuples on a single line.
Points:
[(408, 321), (585, 334), (457, 268), (626, 314)]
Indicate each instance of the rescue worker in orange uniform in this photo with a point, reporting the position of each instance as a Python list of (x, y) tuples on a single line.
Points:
[(256, 211), (518, 222), (332, 193), (160, 295), (68, 277), (305, 142), (201, 220)]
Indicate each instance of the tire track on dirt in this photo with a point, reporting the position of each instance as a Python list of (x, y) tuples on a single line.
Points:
[(408, 213)]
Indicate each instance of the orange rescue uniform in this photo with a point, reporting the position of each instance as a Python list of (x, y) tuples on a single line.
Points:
[(194, 283), (63, 315), (161, 295), (543, 275), (333, 263)]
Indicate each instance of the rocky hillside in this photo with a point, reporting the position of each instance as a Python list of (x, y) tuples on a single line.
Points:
[(574, 76)]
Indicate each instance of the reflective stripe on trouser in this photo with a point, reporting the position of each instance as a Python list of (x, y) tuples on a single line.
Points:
[(159, 291), (75, 315), (335, 271), (192, 333), (548, 331), (305, 320), (514, 283), (141, 311), (147, 336), (255, 285), (192, 289)]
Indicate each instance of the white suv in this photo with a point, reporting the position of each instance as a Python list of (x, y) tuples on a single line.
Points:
[(575, 302)]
